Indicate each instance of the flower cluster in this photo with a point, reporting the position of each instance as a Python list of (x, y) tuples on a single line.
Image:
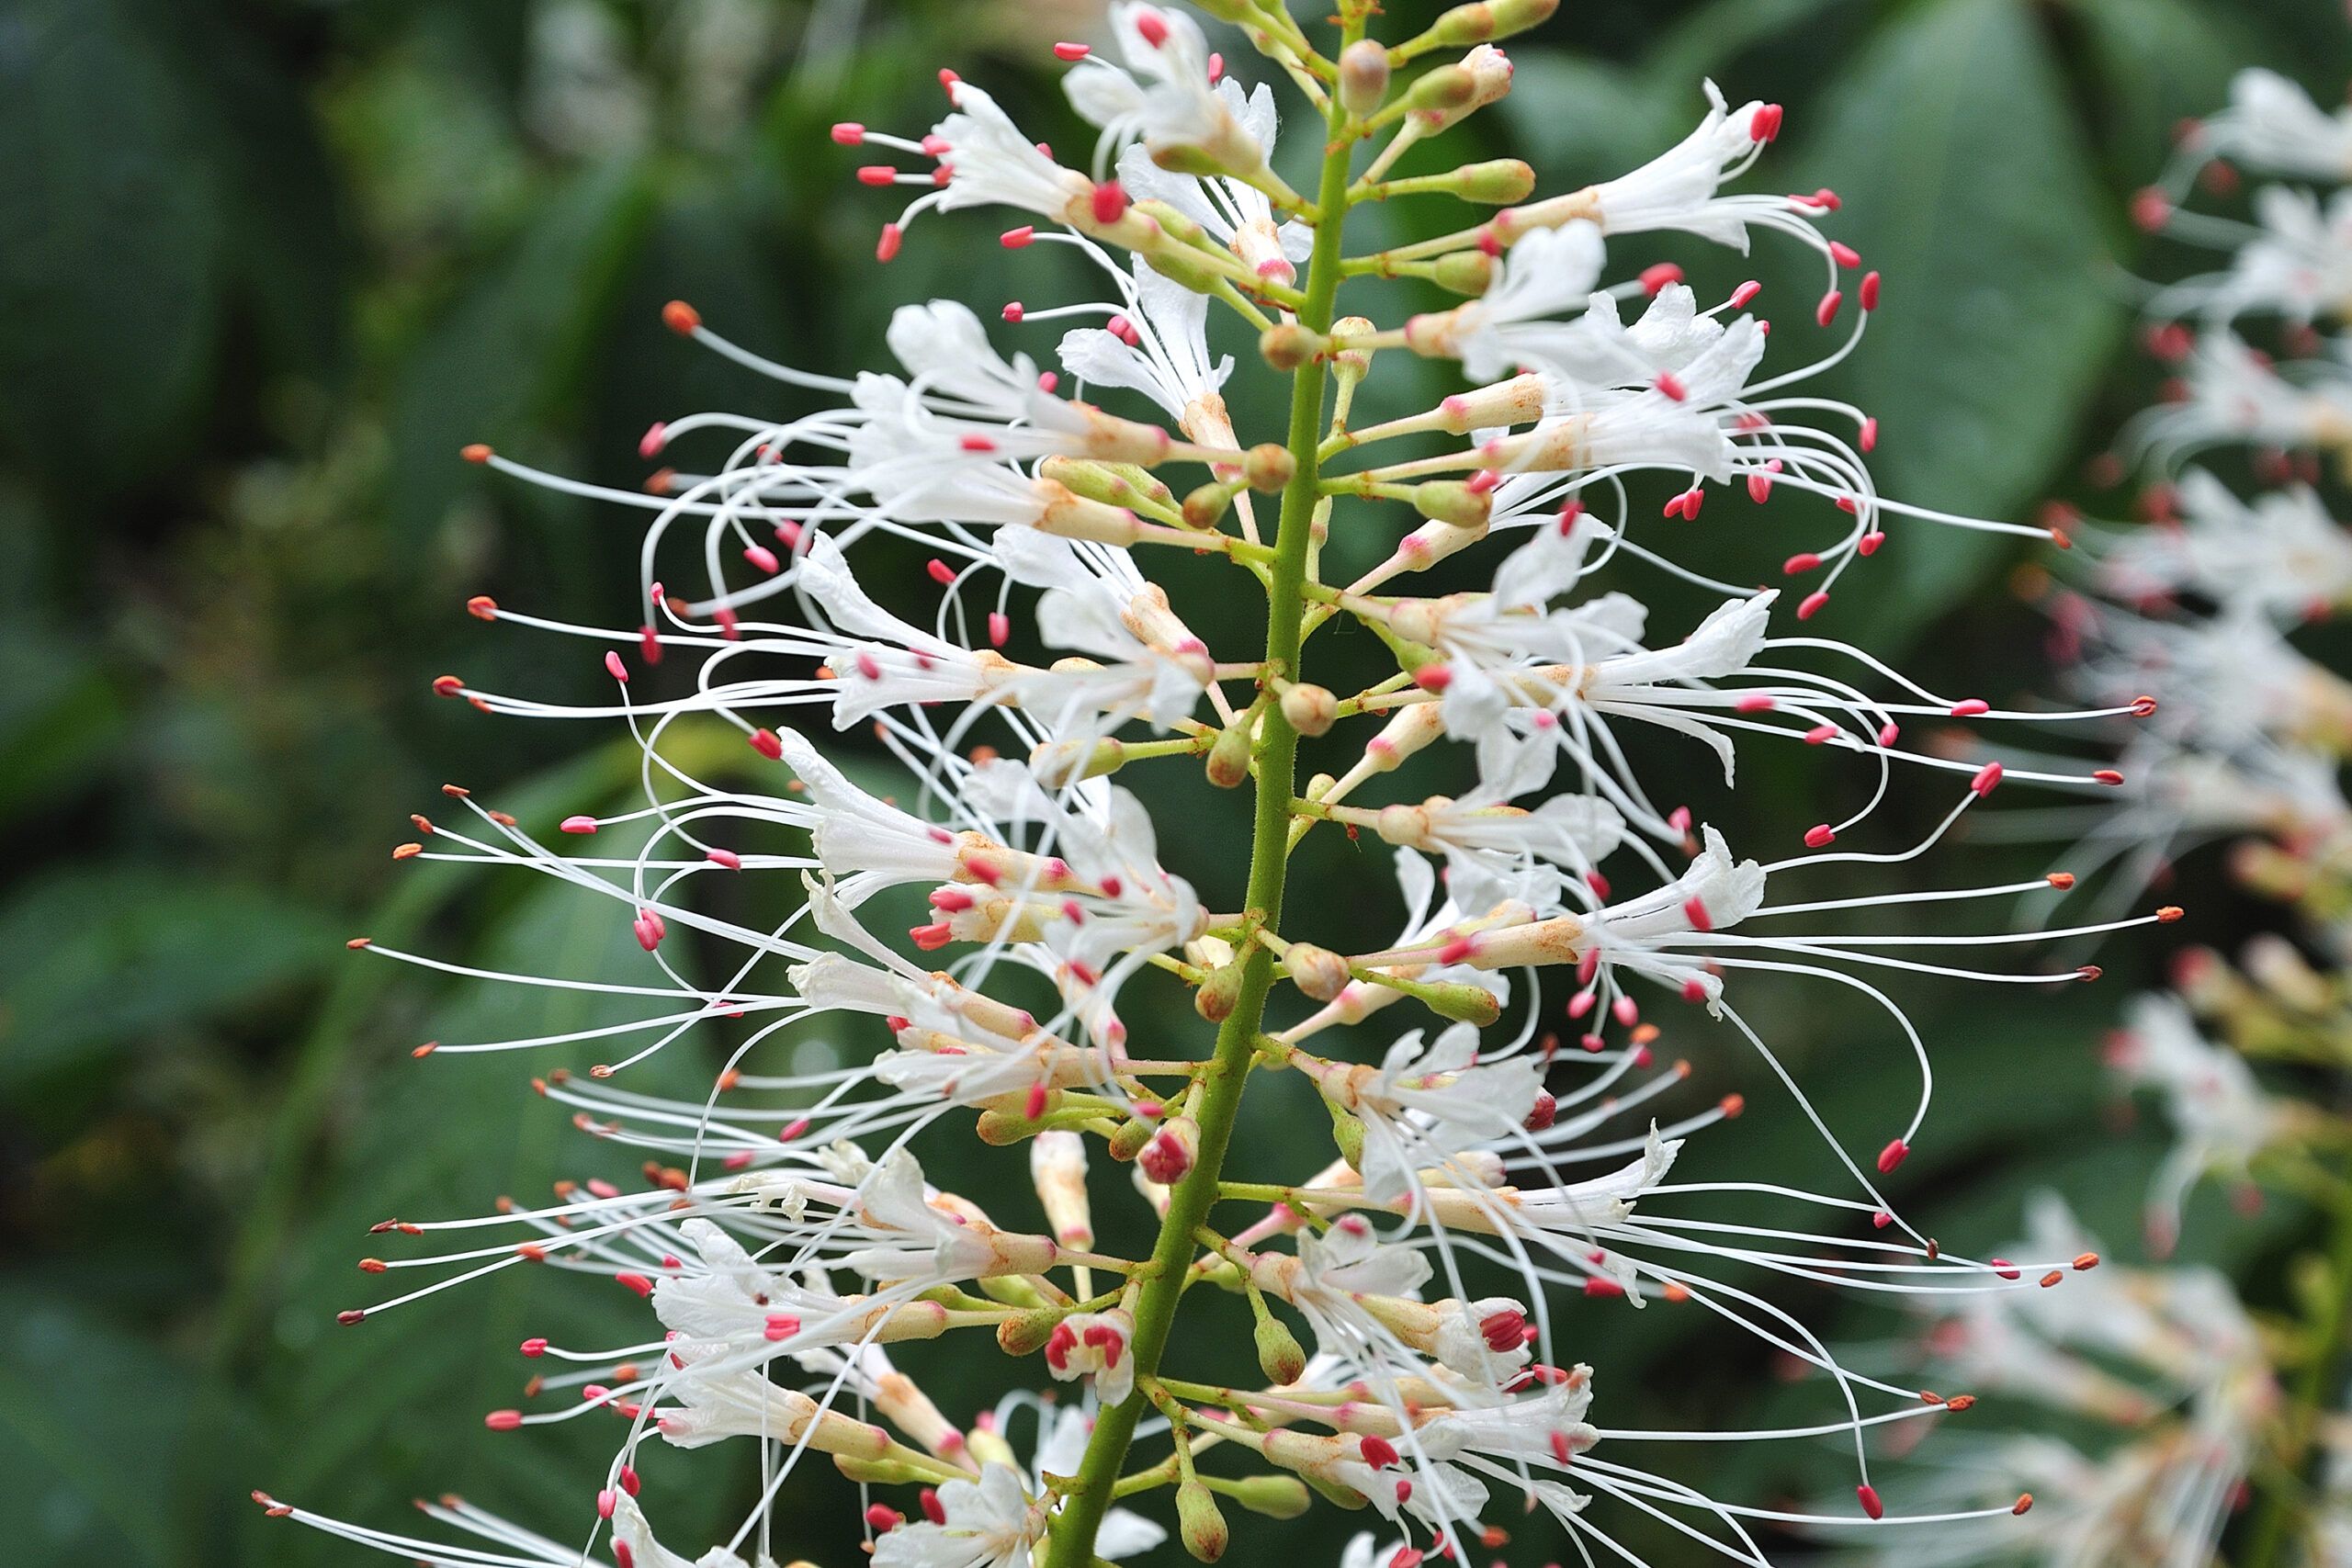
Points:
[(1490, 1176), (2206, 598)]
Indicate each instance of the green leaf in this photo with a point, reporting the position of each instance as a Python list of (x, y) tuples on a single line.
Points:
[(516, 349), (2158, 61), (91, 959), (1966, 181), (109, 276), (90, 1419)]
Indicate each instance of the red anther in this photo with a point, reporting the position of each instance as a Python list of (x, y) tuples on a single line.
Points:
[(1826, 310), (1870, 1505), (1826, 198), (2142, 706), (1754, 702), (1971, 707), (1151, 26), (1844, 254), (933, 937), (1694, 910), (1483, 482), (1601, 1285), (681, 318), (1759, 487), (2061, 880), (1869, 296), (939, 571), (1545, 1111), (1071, 53), (1811, 605), (977, 443), (886, 245), (2085, 1262), (2169, 913), (876, 175), (373, 1266), (2107, 776), (881, 1517), (1889, 733), (622, 1556), (1869, 543), (1110, 202), (1504, 1330), (1405, 1556), (2051, 1278), (1745, 292), (606, 1501), (792, 1130), (766, 744), (502, 1420), (1881, 1220), (2005, 1268), (1765, 123), (726, 858), (1047, 380), (1869, 426), (1034, 1106), (779, 1327), (629, 1482), (999, 628), (638, 1282), (1433, 677), (2024, 1501), (1819, 733), (848, 132), (476, 452), (1377, 1451), (448, 685), (1803, 560), (535, 1346), (1012, 312), (763, 558), (933, 1510), (2150, 209), (577, 825), (1987, 778), (483, 608), (1695, 991), (1016, 238), (1656, 277), (1671, 387), (1894, 1154), (615, 668), (2090, 971), (1820, 836)]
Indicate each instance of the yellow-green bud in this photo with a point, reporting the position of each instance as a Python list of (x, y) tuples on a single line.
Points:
[(1186, 265), (1114, 484), (1228, 764), (883, 1472), (1445, 88), (1199, 1522), (1347, 1133), (1220, 994), (1276, 1497), (1060, 763), (1206, 504), (1171, 221), (1488, 20), (1363, 76), (1268, 466), (1289, 345), (1311, 709), (1026, 1333), (1467, 273), (1462, 1002), (1450, 501), (1129, 1140), (1495, 183), (1280, 1357)]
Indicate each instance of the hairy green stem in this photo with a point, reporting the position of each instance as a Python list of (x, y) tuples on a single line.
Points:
[(1221, 1081)]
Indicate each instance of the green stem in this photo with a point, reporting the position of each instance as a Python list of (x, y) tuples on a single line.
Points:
[(2282, 1500), (1221, 1081)]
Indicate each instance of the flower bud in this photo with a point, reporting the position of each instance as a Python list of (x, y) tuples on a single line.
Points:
[(1128, 1139), (1461, 1002), (1311, 710), (1269, 466), (1487, 20), (1114, 484), (1220, 994), (1495, 183), (1468, 273), (1276, 1497), (1442, 91), (1289, 345), (1280, 1357), (1228, 764), (1363, 76), (1061, 763), (1206, 504), (1057, 1170), (1169, 1157), (1318, 971), (881, 1471), (1183, 264), (1024, 1334), (1199, 1522), (1349, 366), (1347, 1133), (1451, 501)]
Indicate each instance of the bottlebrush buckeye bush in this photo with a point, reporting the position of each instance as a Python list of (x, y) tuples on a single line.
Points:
[(1419, 1303)]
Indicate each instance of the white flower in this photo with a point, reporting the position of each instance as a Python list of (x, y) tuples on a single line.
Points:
[(2280, 554), (2297, 263), (2221, 1115), (1425, 1100), (1164, 95), (1237, 213), (1099, 1345), (988, 1523), (2272, 126)]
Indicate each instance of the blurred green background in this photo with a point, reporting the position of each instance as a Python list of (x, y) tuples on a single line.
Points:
[(264, 267)]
